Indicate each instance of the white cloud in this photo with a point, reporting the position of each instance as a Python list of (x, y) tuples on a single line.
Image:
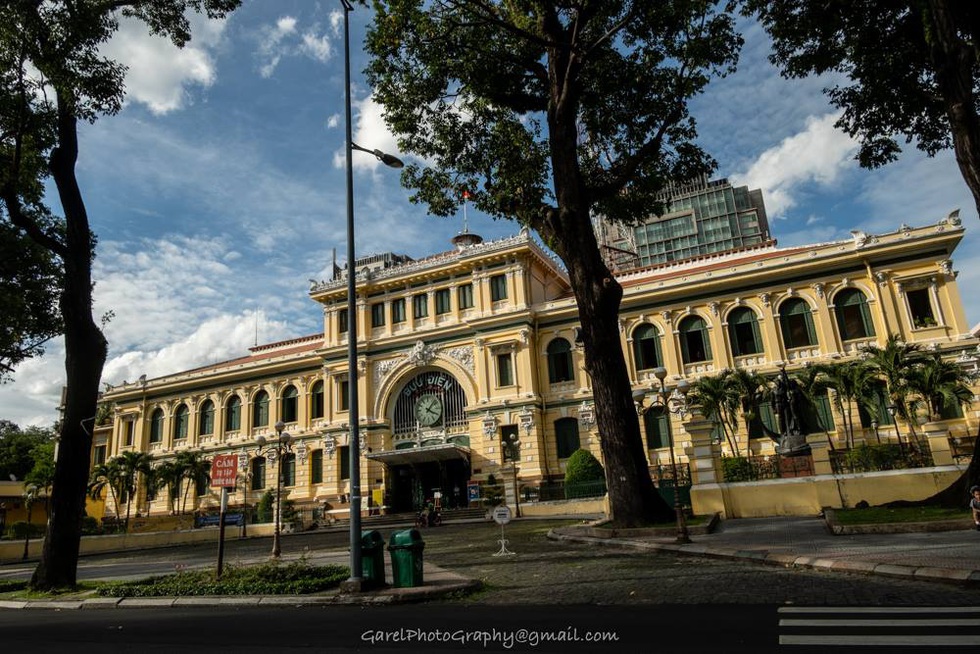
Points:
[(284, 40), (333, 121), (369, 131), (818, 154), (159, 72), (224, 337), (317, 47), (270, 44)]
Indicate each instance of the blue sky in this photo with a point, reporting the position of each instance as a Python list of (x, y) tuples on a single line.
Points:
[(218, 192)]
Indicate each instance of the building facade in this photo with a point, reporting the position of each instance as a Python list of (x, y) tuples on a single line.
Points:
[(467, 351)]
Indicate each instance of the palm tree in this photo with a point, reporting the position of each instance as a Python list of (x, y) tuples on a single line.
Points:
[(894, 362), (169, 473), (133, 466), (940, 383), (196, 470), (812, 384), (108, 477), (852, 384), (719, 404), (749, 388)]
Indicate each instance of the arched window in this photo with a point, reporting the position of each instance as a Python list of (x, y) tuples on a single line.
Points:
[(180, 422), (560, 361), (289, 469), (233, 414), (646, 347), (258, 473), (260, 410), (156, 426), (695, 346), (290, 401), (566, 437), (316, 400), (205, 424), (656, 424), (797, 323), (853, 317), (316, 467), (743, 331)]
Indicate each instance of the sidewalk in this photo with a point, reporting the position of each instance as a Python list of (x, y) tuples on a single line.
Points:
[(948, 556)]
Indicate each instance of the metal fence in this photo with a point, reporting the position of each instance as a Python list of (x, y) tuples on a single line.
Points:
[(771, 466), (886, 456)]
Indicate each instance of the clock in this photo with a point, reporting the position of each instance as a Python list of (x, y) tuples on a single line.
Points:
[(428, 410)]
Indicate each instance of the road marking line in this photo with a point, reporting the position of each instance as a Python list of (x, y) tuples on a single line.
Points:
[(879, 609), (929, 641), (865, 622)]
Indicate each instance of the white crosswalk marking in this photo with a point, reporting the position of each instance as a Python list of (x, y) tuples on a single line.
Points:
[(864, 626)]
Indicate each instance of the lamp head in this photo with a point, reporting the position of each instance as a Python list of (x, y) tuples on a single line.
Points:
[(260, 440), (683, 387), (389, 160), (660, 373), (639, 395), (280, 426), (284, 438)]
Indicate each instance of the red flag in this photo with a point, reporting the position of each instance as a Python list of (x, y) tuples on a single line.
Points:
[(466, 195)]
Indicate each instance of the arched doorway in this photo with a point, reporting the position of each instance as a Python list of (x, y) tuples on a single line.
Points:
[(429, 456)]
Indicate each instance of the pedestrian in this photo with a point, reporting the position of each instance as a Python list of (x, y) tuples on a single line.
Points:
[(975, 505)]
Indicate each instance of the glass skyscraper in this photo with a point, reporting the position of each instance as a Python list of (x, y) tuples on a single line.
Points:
[(704, 217)]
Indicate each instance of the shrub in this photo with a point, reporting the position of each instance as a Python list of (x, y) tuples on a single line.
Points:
[(582, 466), (737, 468)]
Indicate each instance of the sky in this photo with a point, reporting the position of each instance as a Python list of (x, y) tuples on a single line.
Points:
[(218, 192)]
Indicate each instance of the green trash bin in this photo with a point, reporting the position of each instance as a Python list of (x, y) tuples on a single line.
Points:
[(373, 558), (406, 558)]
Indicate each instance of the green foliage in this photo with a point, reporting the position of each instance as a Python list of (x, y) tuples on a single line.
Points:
[(884, 515), (29, 287), (90, 526), (19, 452), (273, 578), (870, 458), (55, 76), (737, 468), (19, 530), (582, 466), (11, 585), (899, 68), (550, 114)]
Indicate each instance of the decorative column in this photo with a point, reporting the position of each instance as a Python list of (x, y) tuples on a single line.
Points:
[(704, 459)]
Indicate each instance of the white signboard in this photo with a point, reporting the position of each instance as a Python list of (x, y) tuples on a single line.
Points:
[(501, 515)]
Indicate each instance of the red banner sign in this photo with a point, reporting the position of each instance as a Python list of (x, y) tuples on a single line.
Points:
[(224, 470)]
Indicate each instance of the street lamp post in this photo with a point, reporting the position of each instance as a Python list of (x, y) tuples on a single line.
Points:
[(512, 452), (277, 449), (674, 402), (354, 583)]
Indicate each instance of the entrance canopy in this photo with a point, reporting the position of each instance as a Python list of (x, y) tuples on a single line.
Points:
[(426, 454)]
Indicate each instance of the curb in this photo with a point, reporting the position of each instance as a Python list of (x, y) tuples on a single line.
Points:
[(968, 578), (384, 596)]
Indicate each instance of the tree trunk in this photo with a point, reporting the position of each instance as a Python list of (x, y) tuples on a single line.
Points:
[(85, 354), (953, 62), (633, 499), (957, 494)]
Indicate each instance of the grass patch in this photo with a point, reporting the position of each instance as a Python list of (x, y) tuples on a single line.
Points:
[(883, 515), (18, 590), (295, 578)]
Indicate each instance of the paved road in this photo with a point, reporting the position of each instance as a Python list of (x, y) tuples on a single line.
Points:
[(646, 597), (545, 572)]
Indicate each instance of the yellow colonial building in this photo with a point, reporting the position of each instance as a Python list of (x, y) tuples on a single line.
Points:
[(465, 351)]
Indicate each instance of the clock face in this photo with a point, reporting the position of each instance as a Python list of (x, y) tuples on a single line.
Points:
[(428, 410)]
